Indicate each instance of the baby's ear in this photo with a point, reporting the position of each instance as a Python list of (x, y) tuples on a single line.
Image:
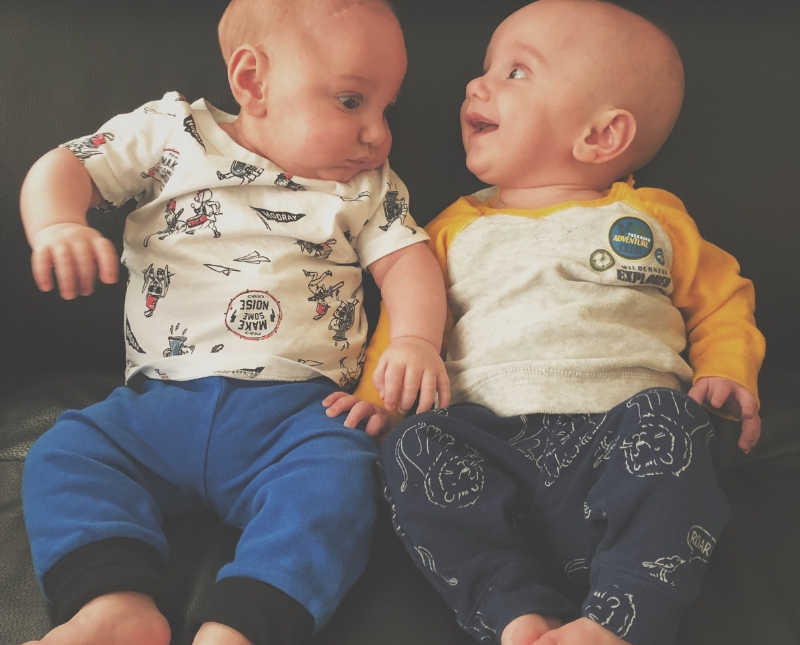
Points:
[(247, 73), (607, 137)]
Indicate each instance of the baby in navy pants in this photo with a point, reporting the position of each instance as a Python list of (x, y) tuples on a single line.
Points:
[(568, 495)]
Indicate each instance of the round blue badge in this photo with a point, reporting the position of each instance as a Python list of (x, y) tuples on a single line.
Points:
[(631, 238)]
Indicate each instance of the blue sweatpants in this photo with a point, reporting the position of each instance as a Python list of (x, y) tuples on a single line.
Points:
[(263, 456), (610, 516)]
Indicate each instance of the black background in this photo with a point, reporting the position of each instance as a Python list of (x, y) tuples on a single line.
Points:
[(66, 67)]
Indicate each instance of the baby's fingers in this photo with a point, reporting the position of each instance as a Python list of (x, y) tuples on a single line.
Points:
[(82, 253), (751, 421), (751, 432), (379, 377), (377, 422), (699, 391), (719, 394), (332, 398), (66, 271), (95, 257), (107, 261), (443, 383), (427, 392), (338, 403), (411, 388), (360, 411), (393, 379), (42, 268)]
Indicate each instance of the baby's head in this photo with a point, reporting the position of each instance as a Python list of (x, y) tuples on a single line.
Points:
[(574, 92), (314, 79)]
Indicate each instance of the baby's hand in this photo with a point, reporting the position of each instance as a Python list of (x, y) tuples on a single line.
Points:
[(733, 399), (411, 365), (77, 254), (340, 402)]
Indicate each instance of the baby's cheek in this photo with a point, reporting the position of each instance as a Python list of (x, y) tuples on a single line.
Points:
[(386, 147)]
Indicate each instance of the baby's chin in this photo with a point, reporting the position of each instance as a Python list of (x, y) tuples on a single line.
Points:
[(481, 171), (342, 175)]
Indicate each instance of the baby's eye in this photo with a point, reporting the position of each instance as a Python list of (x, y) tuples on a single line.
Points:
[(351, 101), (517, 72)]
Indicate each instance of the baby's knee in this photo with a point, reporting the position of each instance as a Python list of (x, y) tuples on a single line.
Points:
[(347, 490)]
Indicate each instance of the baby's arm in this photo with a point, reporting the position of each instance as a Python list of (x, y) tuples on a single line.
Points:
[(725, 346), (412, 290), (54, 198)]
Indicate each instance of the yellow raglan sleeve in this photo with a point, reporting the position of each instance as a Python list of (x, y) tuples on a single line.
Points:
[(378, 342), (441, 230), (717, 303)]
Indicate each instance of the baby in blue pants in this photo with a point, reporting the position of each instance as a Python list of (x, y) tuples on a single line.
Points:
[(245, 257), (262, 456)]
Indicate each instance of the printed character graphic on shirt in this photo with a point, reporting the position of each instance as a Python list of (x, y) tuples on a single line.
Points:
[(155, 286), (322, 251), (206, 210), (351, 375), (89, 146), (285, 181), (321, 292), (173, 220), (344, 316), (161, 172), (176, 342), (245, 172), (395, 209)]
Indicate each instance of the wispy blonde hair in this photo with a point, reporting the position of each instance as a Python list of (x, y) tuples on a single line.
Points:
[(252, 22)]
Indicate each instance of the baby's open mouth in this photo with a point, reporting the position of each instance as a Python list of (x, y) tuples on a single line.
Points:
[(480, 125)]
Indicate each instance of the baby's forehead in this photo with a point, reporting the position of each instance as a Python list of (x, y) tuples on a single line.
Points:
[(551, 28)]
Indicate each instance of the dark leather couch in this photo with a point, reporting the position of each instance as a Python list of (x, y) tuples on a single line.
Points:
[(69, 65)]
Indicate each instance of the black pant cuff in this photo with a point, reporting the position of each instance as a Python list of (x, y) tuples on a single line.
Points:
[(261, 612), (98, 568)]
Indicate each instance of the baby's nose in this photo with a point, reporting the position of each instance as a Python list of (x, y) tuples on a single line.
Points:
[(375, 132), (478, 88)]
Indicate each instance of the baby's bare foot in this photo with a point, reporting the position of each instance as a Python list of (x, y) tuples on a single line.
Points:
[(123, 618), (582, 631), (526, 629)]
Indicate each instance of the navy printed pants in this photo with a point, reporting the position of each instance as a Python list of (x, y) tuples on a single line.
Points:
[(611, 516)]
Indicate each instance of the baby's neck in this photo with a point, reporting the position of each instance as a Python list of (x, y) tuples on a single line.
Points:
[(544, 196)]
